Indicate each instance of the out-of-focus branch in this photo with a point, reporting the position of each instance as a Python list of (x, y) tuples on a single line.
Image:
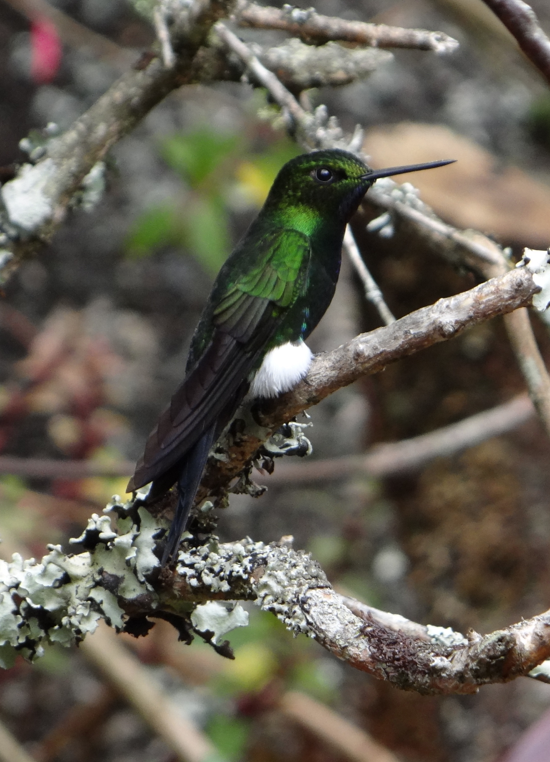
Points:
[(10, 748), (315, 28), (382, 460), (411, 454), (126, 674), (353, 743), (44, 468), (521, 21)]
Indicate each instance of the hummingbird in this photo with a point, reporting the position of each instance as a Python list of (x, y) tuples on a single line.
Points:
[(269, 295)]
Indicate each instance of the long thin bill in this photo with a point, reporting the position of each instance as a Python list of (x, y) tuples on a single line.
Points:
[(376, 174)]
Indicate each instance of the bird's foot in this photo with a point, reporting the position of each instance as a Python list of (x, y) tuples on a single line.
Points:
[(289, 439)]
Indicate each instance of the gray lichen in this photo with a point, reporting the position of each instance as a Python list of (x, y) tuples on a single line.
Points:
[(274, 576), (307, 66), (26, 198), (537, 262), (218, 618), (62, 598)]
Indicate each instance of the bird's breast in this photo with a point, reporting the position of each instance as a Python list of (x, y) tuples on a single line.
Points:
[(281, 369)]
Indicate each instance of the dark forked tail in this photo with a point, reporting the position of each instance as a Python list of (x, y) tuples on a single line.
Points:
[(188, 484)]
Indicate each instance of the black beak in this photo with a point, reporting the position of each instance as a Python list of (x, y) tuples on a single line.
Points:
[(376, 174)]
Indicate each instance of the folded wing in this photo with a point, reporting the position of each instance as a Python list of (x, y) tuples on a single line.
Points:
[(246, 317)]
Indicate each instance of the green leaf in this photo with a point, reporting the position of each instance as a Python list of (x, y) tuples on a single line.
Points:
[(196, 155), (156, 227), (206, 230), (229, 734)]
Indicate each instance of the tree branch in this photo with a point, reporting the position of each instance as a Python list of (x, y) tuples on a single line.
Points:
[(521, 21), (312, 27), (117, 578), (37, 200), (364, 355)]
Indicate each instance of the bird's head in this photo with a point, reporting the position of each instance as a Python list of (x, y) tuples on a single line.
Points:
[(328, 184)]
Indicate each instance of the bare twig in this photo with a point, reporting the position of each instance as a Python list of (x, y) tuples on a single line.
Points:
[(124, 672), (266, 78), (533, 367), (163, 35), (312, 27), (411, 454), (521, 21), (372, 292), (311, 130), (466, 248)]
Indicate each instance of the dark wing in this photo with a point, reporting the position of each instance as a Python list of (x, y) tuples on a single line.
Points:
[(246, 317)]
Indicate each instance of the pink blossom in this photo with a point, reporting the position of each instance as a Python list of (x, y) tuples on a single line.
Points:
[(46, 50)]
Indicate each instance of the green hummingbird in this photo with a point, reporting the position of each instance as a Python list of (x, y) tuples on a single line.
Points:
[(268, 297)]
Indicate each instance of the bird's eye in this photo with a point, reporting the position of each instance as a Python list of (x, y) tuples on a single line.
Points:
[(323, 175)]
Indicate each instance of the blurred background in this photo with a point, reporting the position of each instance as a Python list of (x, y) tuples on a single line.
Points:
[(93, 338)]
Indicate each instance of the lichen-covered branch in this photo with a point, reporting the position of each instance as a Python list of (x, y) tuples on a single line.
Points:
[(314, 28), (37, 200), (117, 578), (366, 354)]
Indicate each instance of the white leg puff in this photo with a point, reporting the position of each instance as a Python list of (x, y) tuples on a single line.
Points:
[(281, 369)]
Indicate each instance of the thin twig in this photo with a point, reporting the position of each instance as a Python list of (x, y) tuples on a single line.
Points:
[(163, 36), (521, 21), (532, 365), (372, 291), (269, 80), (44, 468), (313, 27)]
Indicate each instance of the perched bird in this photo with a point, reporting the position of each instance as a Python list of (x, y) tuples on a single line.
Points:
[(268, 297)]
